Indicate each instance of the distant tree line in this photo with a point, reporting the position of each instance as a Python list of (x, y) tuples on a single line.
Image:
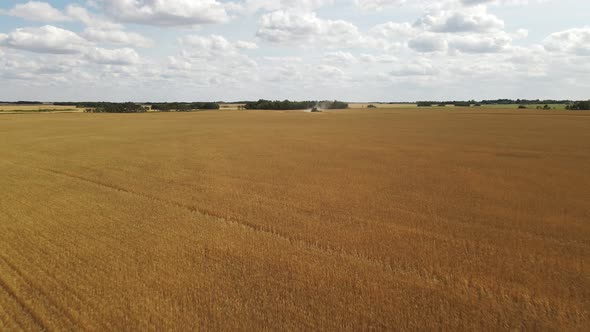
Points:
[(164, 107), (579, 106), (92, 104), (184, 107), (263, 104), (445, 103), (544, 107), (117, 108), (22, 102), (524, 102), (425, 103), (465, 103)]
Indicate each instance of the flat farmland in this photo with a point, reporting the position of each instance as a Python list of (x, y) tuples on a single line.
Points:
[(388, 219), (381, 105), (36, 108)]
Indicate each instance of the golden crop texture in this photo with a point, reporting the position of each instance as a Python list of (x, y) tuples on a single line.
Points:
[(387, 219)]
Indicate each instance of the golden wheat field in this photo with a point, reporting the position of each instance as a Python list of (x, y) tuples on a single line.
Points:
[(388, 219), (35, 108)]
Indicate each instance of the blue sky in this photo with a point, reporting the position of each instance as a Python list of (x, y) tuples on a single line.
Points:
[(354, 50)]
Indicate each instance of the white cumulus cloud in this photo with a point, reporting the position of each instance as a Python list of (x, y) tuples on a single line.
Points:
[(166, 13), (575, 41), (122, 56), (45, 39), (38, 11), (296, 27), (428, 43), (473, 20), (116, 37)]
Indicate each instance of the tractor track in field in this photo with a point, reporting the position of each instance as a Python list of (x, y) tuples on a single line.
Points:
[(45, 296), (37, 320)]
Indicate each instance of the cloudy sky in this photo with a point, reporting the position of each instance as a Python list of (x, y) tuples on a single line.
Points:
[(354, 50)]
